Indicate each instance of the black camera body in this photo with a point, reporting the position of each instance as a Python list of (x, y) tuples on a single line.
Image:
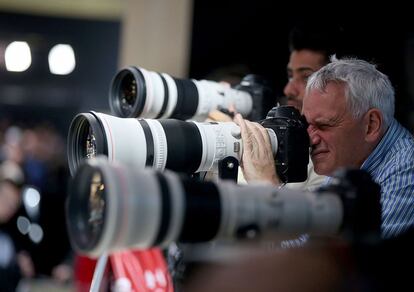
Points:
[(292, 156)]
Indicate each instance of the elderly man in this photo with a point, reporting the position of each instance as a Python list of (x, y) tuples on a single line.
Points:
[(349, 106)]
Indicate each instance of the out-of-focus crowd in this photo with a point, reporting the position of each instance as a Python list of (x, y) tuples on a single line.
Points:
[(33, 185)]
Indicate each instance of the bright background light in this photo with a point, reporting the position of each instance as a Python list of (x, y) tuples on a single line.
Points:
[(62, 59), (18, 57), (31, 197), (31, 202), (35, 233)]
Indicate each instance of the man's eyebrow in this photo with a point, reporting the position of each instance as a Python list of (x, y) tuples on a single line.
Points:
[(300, 69), (325, 121)]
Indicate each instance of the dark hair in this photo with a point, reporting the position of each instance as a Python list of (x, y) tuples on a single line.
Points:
[(325, 38)]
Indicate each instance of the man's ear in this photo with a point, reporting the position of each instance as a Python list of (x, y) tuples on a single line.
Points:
[(374, 124)]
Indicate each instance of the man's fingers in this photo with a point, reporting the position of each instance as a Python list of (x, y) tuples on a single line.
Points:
[(219, 116), (232, 108), (258, 132), (244, 130), (263, 133)]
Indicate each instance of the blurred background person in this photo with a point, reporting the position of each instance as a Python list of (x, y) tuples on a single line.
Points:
[(15, 262), (33, 159)]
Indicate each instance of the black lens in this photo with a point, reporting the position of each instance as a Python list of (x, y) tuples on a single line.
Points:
[(86, 208), (91, 150), (128, 93), (96, 205), (86, 139)]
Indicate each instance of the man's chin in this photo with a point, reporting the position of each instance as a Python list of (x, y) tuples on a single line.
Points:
[(321, 168)]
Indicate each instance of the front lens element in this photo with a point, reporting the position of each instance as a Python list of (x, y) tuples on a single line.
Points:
[(87, 208), (86, 139), (96, 205), (128, 94), (91, 150)]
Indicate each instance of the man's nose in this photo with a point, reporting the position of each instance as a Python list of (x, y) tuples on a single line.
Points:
[(291, 89), (314, 137)]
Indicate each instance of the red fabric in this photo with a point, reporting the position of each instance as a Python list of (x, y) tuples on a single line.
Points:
[(145, 269), (84, 268)]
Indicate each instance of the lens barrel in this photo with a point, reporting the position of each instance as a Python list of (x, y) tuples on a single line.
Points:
[(187, 147), (144, 208), (136, 92)]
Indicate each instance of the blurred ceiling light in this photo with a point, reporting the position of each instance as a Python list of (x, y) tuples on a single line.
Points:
[(61, 59), (35, 233), (31, 202), (18, 57), (31, 197), (23, 224)]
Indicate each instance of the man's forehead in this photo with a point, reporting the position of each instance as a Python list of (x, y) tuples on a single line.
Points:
[(332, 92), (324, 104), (306, 59)]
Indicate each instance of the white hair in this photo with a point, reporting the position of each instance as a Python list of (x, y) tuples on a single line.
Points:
[(365, 86)]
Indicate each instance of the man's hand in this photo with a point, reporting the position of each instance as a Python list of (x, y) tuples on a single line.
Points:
[(219, 116), (257, 161)]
